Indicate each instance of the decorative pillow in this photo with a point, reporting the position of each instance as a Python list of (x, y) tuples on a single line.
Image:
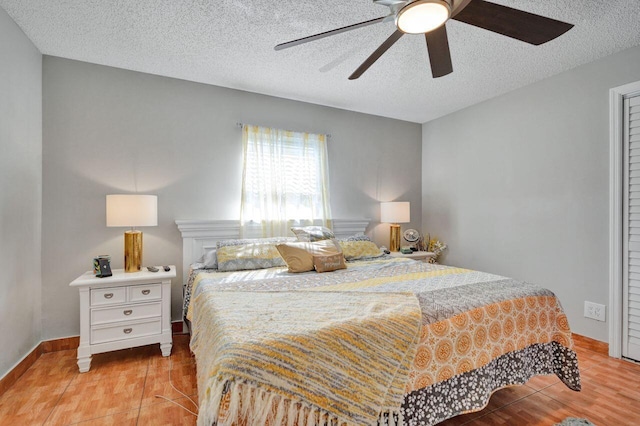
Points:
[(209, 260), (244, 241), (248, 256), (329, 263), (356, 237), (354, 250), (299, 255), (313, 233)]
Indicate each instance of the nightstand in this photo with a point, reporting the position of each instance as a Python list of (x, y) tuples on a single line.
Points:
[(123, 311), (422, 256)]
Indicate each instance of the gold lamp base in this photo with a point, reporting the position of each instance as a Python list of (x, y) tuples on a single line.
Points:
[(133, 251), (394, 237)]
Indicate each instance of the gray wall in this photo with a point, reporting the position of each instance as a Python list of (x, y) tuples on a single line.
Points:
[(519, 185), (20, 193), (108, 130)]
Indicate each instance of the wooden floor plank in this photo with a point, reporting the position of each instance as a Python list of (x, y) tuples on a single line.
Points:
[(129, 418), (97, 398), (167, 414), (535, 410)]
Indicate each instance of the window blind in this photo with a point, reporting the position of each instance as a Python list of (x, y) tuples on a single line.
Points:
[(285, 181), (631, 308)]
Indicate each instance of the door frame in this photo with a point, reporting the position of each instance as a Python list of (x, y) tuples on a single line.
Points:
[(616, 170)]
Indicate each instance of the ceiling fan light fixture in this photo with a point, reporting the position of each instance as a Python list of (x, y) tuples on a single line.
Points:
[(422, 16)]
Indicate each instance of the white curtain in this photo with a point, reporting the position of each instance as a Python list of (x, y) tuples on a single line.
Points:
[(285, 181)]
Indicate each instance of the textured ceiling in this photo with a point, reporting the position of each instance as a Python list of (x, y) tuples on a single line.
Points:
[(230, 43)]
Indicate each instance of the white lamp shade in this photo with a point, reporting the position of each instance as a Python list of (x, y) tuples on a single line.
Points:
[(132, 210), (395, 212)]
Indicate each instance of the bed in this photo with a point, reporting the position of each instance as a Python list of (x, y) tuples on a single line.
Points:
[(385, 341)]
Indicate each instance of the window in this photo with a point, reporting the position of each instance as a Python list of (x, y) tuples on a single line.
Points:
[(284, 181)]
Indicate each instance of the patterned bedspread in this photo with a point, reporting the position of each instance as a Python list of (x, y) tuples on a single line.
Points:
[(479, 333)]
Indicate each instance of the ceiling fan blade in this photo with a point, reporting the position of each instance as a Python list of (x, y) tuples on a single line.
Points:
[(439, 54), (376, 54), (328, 33), (514, 23)]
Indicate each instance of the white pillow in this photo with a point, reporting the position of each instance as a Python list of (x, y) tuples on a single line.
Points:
[(209, 260)]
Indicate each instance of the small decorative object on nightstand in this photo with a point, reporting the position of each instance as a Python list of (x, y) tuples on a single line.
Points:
[(412, 237), (436, 247), (422, 256), (123, 311)]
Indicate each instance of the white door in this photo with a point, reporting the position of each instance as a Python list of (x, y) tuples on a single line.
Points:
[(631, 230)]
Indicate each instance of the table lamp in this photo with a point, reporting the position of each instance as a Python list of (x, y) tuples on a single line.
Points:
[(132, 210), (395, 212)]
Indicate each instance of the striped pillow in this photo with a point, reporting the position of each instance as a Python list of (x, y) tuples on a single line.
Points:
[(358, 250), (258, 255)]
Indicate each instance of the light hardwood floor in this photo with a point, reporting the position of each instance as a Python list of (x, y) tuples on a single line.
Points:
[(121, 386)]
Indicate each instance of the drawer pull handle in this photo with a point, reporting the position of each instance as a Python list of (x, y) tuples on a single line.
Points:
[(108, 295), (128, 312), (145, 292), (127, 330)]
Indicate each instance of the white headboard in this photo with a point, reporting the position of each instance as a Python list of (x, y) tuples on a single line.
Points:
[(199, 235)]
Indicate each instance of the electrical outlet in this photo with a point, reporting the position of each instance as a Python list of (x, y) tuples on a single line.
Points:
[(595, 311)]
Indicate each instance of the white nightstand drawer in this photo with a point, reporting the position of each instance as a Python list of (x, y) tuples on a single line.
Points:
[(108, 296), (125, 331), (141, 293), (125, 313)]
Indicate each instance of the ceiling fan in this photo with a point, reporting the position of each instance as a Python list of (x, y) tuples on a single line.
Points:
[(429, 16)]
